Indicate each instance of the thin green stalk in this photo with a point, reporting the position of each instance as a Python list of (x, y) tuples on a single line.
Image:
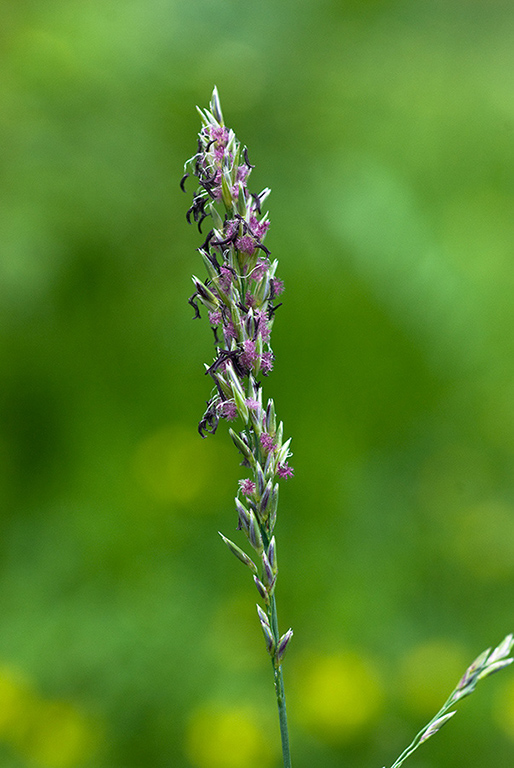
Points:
[(278, 677), (418, 739), (279, 691)]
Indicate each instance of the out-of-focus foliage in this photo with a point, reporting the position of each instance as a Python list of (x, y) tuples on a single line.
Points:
[(386, 130)]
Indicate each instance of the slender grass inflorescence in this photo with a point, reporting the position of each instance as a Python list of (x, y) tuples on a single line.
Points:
[(486, 664), (240, 295)]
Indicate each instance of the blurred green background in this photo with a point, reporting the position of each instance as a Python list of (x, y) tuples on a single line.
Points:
[(128, 635)]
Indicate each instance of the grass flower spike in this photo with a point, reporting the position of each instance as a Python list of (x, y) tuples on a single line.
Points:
[(239, 296), (486, 664)]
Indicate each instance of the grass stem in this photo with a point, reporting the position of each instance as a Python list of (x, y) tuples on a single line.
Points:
[(279, 691)]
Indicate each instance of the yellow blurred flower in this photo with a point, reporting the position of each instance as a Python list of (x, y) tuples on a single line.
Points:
[(48, 733), (218, 736), (17, 700), (336, 696), (58, 736)]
